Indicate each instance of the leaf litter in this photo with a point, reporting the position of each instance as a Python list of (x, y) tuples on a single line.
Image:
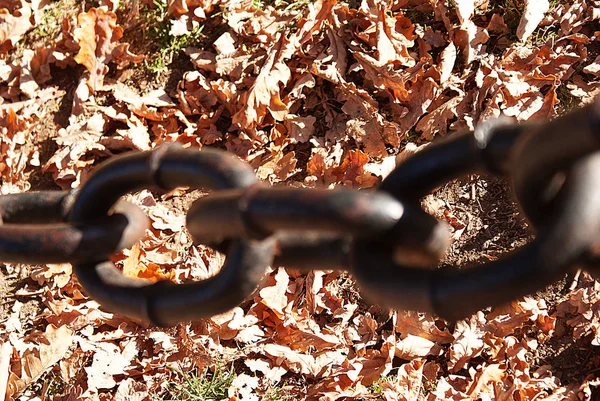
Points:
[(321, 93)]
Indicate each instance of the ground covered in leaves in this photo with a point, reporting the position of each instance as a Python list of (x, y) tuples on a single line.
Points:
[(311, 93)]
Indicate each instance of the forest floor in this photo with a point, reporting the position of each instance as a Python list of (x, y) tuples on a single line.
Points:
[(311, 94)]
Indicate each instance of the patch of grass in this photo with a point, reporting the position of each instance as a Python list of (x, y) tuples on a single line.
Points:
[(212, 386), (418, 17), (554, 5), (51, 21), (542, 35), (377, 386), (412, 135), (283, 5), (158, 29), (276, 394), (429, 386)]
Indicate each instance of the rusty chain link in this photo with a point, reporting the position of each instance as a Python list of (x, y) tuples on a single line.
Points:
[(383, 237)]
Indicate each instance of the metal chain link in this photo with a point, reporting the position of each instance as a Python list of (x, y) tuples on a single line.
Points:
[(383, 237)]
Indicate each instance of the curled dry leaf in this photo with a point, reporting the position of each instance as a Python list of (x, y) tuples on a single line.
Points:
[(351, 171), (275, 296), (309, 364), (593, 67), (438, 120), (421, 325), (279, 168), (448, 58), (531, 18), (483, 382), (497, 25), (109, 360)]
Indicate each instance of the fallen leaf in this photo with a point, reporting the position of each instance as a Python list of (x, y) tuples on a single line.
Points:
[(275, 296), (97, 34), (448, 58), (532, 16), (468, 343)]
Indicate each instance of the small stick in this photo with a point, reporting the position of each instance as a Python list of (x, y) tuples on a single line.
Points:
[(575, 280)]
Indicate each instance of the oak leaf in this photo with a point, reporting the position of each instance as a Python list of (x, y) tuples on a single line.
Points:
[(98, 34), (275, 296), (407, 385), (421, 325), (264, 97), (468, 343)]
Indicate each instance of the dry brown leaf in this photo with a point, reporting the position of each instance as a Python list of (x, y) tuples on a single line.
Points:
[(412, 347), (593, 68), (52, 346), (197, 8), (438, 120), (369, 134), (57, 274), (260, 25), (351, 171), (274, 296), (448, 58), (264, 98), (132, 390), (586, 91), (300, 129), (484, 380), (468, 342), (421, 325), (15, 157), (470, 39), (497, 25), (98, 34), (383, 169), (315, 364), (280, 168), (273, 374), (109, 360), (532, 16), (393, 45), (14, 24), (299, 339), (573, 17), (407, 385), (6, 351)]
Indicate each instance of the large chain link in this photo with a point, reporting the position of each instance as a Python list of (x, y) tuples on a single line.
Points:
[(383, 237)]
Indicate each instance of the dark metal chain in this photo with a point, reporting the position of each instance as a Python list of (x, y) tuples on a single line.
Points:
[(383, 237)]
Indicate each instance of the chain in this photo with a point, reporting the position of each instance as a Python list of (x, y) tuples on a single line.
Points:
[(382, 237)]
